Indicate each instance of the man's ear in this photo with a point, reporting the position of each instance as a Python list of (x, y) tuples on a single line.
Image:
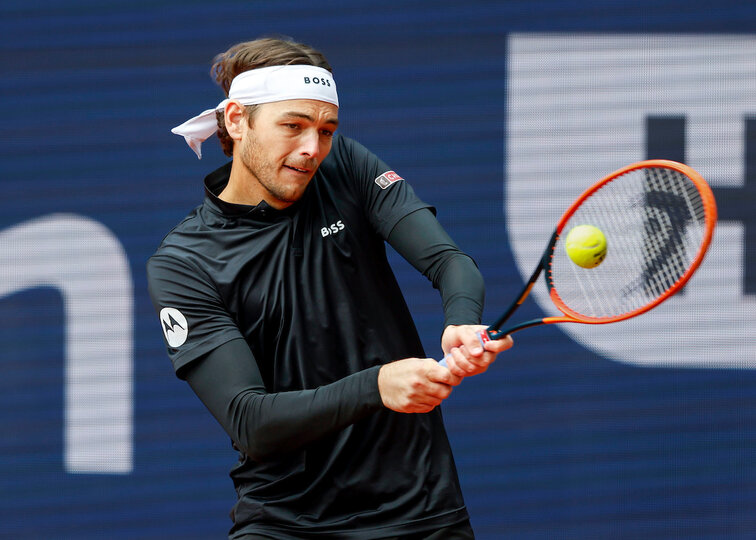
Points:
[(236, 118)]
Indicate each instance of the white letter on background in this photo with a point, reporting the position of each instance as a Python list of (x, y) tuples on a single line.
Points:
[(87, 264)]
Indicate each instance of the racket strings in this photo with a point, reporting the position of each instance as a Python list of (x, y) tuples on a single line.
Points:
[(654, 222)]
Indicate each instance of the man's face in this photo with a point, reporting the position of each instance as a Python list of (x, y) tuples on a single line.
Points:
[(284, 145)]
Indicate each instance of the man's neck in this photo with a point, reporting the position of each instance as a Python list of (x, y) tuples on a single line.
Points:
[(241, 187)]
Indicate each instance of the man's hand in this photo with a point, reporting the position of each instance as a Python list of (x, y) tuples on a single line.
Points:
[(415, 385), (466, 356)]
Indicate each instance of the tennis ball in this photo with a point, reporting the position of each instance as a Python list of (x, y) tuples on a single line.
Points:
[(586, 246)]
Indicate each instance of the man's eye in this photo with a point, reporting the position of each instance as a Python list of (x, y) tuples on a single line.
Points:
[(327, 132)]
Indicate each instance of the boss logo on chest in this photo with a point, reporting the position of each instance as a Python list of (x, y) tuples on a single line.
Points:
[(333, 228)]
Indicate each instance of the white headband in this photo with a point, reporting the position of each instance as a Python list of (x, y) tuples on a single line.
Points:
[(262, 85)]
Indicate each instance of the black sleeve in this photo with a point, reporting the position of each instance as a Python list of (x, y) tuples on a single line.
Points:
[(187, 301), (419, 238), (228, 382)]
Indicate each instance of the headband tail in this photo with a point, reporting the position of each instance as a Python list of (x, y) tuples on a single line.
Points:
[(197, 130)]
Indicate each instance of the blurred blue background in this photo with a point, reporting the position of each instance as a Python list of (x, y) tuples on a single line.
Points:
[(98, 439)]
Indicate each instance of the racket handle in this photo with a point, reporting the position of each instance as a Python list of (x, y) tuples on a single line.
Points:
[(482, 337)]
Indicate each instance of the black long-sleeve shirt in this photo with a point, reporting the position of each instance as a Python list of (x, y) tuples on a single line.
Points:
[(260, 423), (280, 320)]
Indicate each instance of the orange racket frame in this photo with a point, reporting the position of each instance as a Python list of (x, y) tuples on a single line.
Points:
[(710, 213)]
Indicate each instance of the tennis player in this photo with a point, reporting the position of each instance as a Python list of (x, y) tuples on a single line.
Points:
[(280, 310)]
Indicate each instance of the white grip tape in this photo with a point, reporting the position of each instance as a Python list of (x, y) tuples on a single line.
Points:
[(482, 344)]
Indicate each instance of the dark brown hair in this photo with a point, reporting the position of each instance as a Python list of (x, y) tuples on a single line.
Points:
[(263, 52)]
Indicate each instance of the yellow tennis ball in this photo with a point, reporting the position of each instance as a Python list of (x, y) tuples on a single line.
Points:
[(586, 246)]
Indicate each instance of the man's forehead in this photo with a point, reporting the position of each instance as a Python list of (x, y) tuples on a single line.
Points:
[(302, 107)]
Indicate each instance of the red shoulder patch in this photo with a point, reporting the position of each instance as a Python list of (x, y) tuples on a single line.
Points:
[(387, 178)]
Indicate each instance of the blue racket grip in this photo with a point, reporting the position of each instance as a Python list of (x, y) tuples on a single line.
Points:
[(482, 337)]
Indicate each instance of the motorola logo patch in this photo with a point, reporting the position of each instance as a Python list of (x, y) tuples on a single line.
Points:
[(174, 326)]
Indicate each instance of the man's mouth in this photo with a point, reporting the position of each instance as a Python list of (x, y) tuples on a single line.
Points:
[(306, 166), (297, 169)]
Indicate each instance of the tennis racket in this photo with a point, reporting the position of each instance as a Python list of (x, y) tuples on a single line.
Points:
[(658, 217)]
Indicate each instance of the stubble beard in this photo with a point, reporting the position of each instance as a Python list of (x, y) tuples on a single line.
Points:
[(266, 173)]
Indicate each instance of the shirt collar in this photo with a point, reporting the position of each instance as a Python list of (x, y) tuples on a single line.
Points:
[(216, 181)]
